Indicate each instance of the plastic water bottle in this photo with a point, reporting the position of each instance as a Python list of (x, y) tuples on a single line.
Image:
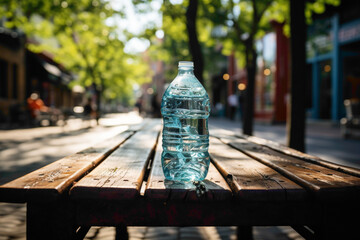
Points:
[(185, 109)]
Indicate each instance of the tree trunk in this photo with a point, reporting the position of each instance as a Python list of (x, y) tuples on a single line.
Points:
[(296, 115), (248, 119), (194, 45)]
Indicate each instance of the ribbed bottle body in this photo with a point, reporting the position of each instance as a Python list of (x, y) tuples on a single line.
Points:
[(185, 109)]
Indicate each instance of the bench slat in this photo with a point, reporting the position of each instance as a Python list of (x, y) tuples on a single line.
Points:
[(121, 174), (251, 180), (321, 181), (293, 152), (160, 189), (52, 180)]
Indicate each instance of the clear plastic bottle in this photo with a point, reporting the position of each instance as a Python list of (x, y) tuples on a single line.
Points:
[(185, 109)]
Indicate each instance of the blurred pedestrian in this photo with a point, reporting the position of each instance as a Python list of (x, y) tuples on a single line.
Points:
[(138, 105), (233, 103), (90, 112), (89, 109), (155, 106), (37, 106), (241, 105), (219, 109)]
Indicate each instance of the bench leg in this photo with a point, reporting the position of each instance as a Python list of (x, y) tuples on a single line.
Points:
[(50, 221), (244, 233), (121, 233)]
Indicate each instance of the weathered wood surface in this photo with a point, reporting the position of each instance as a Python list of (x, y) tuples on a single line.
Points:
[(307, 157), (158, 188), (121, 175), (250, 179), (322, 182), (52, 180)]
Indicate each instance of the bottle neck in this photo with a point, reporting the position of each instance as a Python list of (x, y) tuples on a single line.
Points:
[(185, 70)]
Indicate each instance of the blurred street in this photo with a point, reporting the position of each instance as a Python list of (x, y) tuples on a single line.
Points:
[(24, 150)]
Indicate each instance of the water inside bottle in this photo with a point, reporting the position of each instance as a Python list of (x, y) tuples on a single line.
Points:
[(185, 110)]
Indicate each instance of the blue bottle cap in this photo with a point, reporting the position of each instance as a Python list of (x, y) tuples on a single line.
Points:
[(186, 64)]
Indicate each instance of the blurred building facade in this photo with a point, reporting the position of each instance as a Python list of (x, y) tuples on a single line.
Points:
[(272, 77), (333, 60), (333, 73), (23, 72), (49, 78), (150, 94), (12, 71)]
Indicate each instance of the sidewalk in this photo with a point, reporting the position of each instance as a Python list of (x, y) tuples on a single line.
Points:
[(25, 150)]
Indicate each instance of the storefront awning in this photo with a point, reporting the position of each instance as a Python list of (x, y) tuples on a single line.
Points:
[(52, 69), (56, 74)]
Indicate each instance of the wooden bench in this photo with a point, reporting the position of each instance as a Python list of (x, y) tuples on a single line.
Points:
[(251, 182)]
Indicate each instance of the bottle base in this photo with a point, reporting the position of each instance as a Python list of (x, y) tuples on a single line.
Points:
[(185, 167), (184, 176)]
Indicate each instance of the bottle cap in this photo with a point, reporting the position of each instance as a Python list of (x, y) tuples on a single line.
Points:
[(186, 64)]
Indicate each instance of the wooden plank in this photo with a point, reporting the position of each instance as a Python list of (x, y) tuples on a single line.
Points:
[(324, 183), (307, 157), (250, 179), (49, 182), (121, 174), (158, 188)]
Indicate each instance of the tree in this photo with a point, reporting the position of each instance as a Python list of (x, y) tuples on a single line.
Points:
[(174, 46), (187, 33), (180, 25), (244, 22), (247, 20), (296, 116), (194, 45), (77, 34)]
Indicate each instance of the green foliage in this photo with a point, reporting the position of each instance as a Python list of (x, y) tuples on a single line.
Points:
[(175, 40), (76, 33), (280, 12), (174, 46), (239, 22)]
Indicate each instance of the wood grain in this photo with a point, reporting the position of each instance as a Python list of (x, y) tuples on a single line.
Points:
[(304, 156), (323, 182), (250, 179), (54, 179), (121, 174), (158, 188)]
